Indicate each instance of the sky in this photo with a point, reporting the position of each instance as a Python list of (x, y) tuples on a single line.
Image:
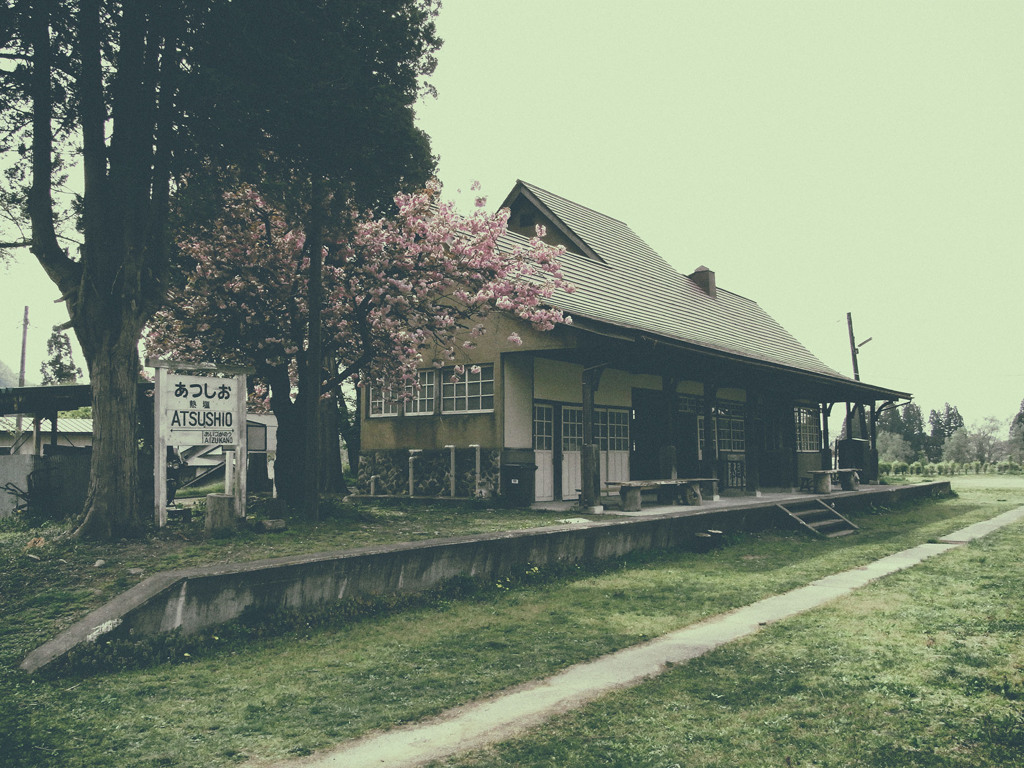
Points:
[(822, 157)]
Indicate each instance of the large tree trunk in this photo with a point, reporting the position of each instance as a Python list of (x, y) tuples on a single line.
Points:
[(290, 437), (293, 438), (115, 285), (350, 429), (112, 508), (332, 476), (288, 464)]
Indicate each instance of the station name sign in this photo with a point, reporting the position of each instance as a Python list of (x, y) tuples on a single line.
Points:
[(200, 410)]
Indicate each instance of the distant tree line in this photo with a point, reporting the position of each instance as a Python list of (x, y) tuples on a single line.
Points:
[(948, 446)]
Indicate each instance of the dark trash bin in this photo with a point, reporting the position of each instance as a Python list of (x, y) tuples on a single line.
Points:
[(857, 453), (517, 483)]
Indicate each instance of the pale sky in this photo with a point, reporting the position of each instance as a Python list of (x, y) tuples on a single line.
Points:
[(821, 157)]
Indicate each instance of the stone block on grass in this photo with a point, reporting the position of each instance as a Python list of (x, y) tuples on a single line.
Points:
[(220, 514)]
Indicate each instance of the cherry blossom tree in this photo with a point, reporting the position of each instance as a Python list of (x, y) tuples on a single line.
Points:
[(393, 287)]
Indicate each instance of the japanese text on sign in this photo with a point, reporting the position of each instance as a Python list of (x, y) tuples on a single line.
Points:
[(200, 410)]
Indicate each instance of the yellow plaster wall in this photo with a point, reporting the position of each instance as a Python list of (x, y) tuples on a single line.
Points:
[(518, 400), (563, 382), (555, 380)]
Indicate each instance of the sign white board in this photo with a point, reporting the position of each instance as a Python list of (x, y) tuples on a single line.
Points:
[(200, 410)]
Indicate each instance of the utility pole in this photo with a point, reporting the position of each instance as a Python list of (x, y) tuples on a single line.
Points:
[(854, 351), (21, 373), (853, 346)]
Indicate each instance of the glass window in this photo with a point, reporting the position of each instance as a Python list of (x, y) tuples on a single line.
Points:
[(421, 401), (472, 391), (382, 403), (691, 404), (808, 429), (612, 429), (572, 428), (730, 432), (543, 428), (700, 438), (732, 427)]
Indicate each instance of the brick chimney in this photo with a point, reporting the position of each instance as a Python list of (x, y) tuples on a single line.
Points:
[(705, 280)]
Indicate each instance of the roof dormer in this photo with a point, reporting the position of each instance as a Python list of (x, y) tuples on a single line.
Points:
[(528, 211)]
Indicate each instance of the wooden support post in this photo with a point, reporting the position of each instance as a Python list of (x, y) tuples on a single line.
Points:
[(871, 471), (476, 486), (826, 442), (710, 448), (668, 454), (159, 452), (590, 455), (413, 452), (451, 471), (754, 424)]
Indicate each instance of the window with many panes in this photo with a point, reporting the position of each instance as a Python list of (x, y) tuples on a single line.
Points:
[(730, 423), (382, 402), (572, 428), (472, 391), (700, 438), (732, 434), (732, 427), (420, 401), (543, 428), (691, 404), (612, 430), (808, 429)]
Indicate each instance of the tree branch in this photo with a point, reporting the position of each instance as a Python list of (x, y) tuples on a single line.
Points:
[(93, 111), (61, 269)]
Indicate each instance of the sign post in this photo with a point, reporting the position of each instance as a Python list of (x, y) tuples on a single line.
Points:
[(204, 409)]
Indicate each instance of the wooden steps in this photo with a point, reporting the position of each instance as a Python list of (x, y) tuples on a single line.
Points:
[(818, 517)]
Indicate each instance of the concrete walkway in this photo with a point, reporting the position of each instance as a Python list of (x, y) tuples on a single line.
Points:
[(515, 710)]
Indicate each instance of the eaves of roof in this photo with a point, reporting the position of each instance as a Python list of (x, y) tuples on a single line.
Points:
[(852, 389)]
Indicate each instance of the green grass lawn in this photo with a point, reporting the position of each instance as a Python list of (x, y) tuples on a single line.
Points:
[(199, 491), (308, 689), (924, 668)]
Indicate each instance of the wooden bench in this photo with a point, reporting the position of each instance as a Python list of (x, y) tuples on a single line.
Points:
[(820, 480), (689, 488)]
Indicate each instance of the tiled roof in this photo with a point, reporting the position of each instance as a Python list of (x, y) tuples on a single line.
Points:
[(636, 288)]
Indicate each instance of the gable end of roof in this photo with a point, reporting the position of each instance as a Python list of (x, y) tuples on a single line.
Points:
[(522, 197)]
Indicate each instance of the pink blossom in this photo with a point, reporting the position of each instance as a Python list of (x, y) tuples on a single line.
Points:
[(392, 287)]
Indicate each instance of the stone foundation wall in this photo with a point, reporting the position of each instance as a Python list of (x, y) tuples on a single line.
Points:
[(431, 472)]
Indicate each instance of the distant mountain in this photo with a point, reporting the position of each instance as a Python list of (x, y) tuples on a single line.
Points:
[(8, 378)]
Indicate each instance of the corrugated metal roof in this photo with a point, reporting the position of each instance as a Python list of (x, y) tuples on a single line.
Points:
[(64, 426), (636, 288)]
